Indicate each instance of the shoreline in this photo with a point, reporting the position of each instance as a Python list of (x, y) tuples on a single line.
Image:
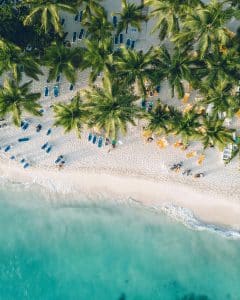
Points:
[(217, 209)]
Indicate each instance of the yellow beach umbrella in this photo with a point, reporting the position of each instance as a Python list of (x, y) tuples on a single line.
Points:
[(200, 159), (185, 98), (191, 154)]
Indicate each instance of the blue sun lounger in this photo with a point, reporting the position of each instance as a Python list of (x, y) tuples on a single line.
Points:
[(24, 139), (128, 43), (44, 146), (74, 37), (49, 131), (90, 137), (7, 148), (48, 150), (80, 16), (46, 91), (26, 165), (81, 34), (24, 125), (62, 21), (12, 157), (132, 44), (22, 160), (71, 87), (58, 78), (56, 91), (60, 157), (100, 142), (116, 40), (158, 88), (94, 140), (115, 21), (76, 17), (121, 38)]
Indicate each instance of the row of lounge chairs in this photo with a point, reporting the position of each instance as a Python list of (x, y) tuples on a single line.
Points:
[(79, 36), (95, 139)]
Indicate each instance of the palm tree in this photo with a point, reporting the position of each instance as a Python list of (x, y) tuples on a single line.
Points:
[(98, 56), (135, 66), (162, 118), (222, 97), (213, 133), (47, 12), (98, 26), (207, 26), (112, 107), (131, 15), (71, 116), (169, 14), (61, 59), (222, 65), (13, 60), (14, 98), (90, 7), (175, 67)]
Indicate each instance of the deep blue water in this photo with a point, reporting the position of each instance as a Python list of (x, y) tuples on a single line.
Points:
[(56, 248)]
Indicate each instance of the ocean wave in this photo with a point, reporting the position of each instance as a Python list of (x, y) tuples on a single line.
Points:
[(187, 217)]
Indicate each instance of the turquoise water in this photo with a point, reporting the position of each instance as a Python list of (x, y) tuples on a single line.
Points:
[(56, 248)]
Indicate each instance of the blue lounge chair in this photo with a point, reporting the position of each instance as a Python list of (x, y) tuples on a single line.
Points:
[(74, 37), (22, 160), (115, 21), (116, 40), (12, 157), (7, 148), (24, 139), (49, 131), (38, 128), (81, 34), (76, 17), (80, 16), (26, 165), (46, 91), (132, 44), (128, 43), (48, 150), (62, 21), (120, 38), (41, 111), (94, 140), (56, 91), (158, 88), (100, 142), (24, 125), (144, 103), (44, 146), (90, 137), (60, 157), (71, 87)]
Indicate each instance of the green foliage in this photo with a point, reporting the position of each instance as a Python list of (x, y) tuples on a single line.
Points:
[(15, 98)]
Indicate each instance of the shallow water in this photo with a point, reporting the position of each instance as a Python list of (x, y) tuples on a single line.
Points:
[(56, 248)]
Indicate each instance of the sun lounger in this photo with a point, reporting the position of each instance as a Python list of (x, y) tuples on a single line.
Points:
[(128, 43), (74, 37), (46, 91), (26, 165), (24, 139), (133, 44), (24, 125), (56, 91), (90, 137), (94, 140), (7, 148), (12, 157), (49, 131), (81, 34), (60, 157), (71, 87), (62, 21), (44, 146), (80, 16), (76, 17), (100, 142), (158, 88), (115, 39), (144, 103), (22, 160), (120, 38), (115, 21), (48, 150)]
